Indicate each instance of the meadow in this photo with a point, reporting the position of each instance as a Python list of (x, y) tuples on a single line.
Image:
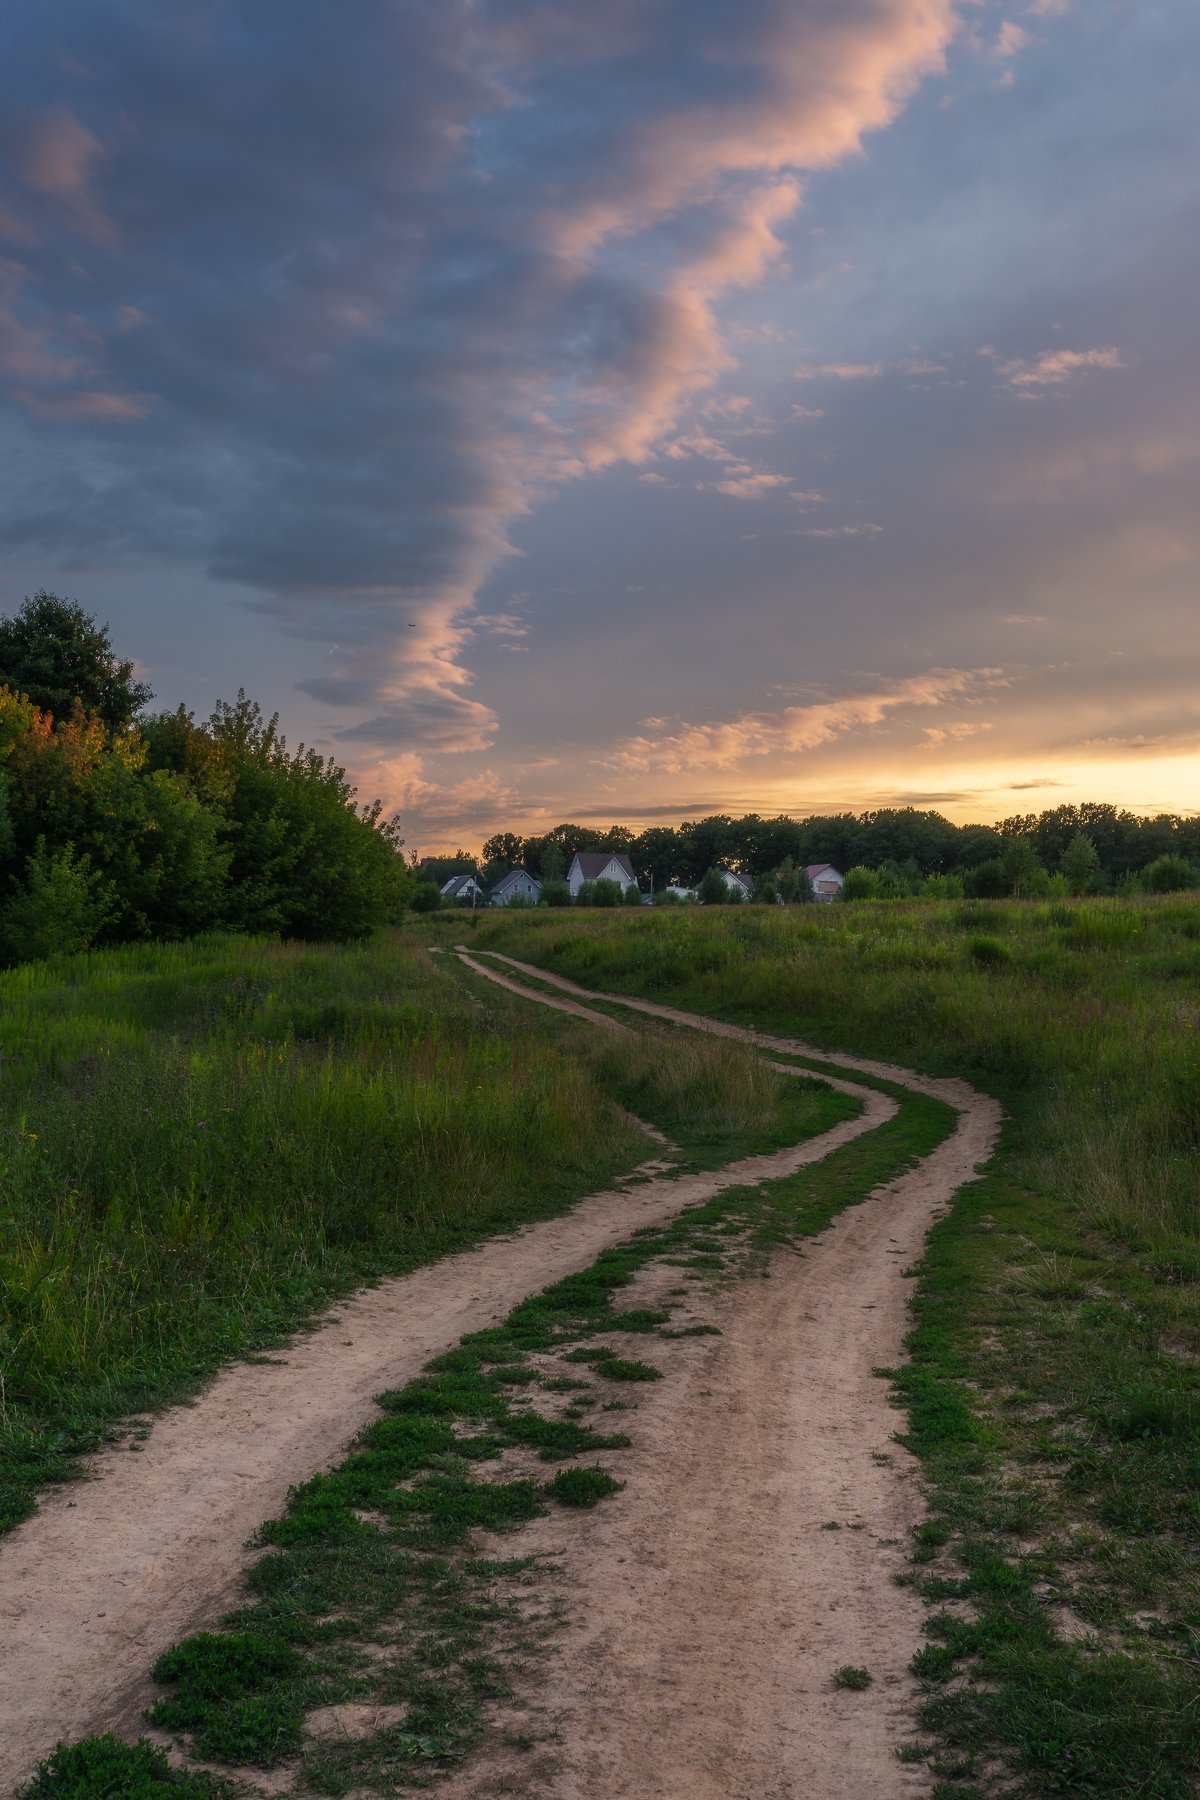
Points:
[(203, 1145), (1053, 1390)]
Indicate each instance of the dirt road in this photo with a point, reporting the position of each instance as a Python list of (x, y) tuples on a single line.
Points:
[(112, 1571), (766, 1510)]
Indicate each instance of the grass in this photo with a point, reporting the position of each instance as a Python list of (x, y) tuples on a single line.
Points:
[(375, 1587), (1053, 1394), (201, 1146)]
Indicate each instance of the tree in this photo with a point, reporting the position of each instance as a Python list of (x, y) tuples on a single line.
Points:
[(654, 854), (860, 883), (56, 654), (61, 907), (714, 889), (1080, 863), (505, 850), (1020, 862), (1170, 875)]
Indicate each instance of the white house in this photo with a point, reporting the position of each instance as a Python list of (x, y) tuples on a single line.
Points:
[(517, 883), (600, 865), (463, 888), (738, 885), (826, 882)]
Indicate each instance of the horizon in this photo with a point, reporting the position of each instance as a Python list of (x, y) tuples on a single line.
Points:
[(659, 412)]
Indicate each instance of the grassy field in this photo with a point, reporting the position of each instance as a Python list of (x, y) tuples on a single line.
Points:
[(202, 1145), (1054, 1390)]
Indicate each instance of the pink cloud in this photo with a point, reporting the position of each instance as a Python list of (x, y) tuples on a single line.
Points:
[(798, 729), (1053, 367), (839, 371)]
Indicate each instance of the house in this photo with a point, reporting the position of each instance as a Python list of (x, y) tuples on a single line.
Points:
[(600, 865), (826, 882), (517, 884), (463, 888), (739, 886)]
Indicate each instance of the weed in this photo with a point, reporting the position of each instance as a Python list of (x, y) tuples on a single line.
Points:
[(104, 1768), (848, 1676), (582, 1487)]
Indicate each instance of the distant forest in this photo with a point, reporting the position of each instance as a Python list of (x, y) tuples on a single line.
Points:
[(886, 854), (119, 824)]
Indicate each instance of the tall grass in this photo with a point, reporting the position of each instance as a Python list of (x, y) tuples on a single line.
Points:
[(1090, 1012), (198, 1144)]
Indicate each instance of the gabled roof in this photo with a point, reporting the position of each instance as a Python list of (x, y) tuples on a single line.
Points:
[(815, 869), (733, 875), (592, 863), (506, 881), (457, 884)]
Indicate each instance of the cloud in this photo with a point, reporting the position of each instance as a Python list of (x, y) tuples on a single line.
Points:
[(1053, 367), (840, 531), (795, 730), (359, 299), (839, 371), (752, 487), (1010, 39)]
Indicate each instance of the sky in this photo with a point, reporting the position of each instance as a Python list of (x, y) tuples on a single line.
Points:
[(623, 411)]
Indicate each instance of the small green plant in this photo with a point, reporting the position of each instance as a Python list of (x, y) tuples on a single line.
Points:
[(849, 1676), (583, 1487), (104, 1768), (989, 950)]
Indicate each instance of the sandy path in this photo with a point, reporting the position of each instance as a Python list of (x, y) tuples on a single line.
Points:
[(110, 1572), (709, 1608)]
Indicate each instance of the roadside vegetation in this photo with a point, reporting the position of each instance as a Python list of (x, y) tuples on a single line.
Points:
[(122, 825), (201, 1145), (1054, 1392)]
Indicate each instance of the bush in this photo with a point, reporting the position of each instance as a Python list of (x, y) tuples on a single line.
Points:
[(426, 898), (555, 893), (989, 950), (606, 893), (986, 881), (103, 1768), (632, 895), (62, 908), (714, 889), (1170, 875), (860, 884)]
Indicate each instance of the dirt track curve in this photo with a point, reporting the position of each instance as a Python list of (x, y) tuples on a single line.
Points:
[(700, 1661)]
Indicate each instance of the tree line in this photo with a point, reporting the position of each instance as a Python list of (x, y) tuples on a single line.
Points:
[(118, 823), (888, 853)]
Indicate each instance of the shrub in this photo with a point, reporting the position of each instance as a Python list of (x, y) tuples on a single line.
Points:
[(606, 893), (103, 1768), (62, 908), (582, 1487), (426, 898), (860, 884), (989, 950), (1170, 875), (555, 893), (632, 895)]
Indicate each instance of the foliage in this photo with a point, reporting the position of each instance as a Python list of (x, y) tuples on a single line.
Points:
[(860, 884), (60, 658), (1080, 864), (1170, 875), (104, 1768), (714, 889), (632, 895), (556, 893), (61, 908)]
